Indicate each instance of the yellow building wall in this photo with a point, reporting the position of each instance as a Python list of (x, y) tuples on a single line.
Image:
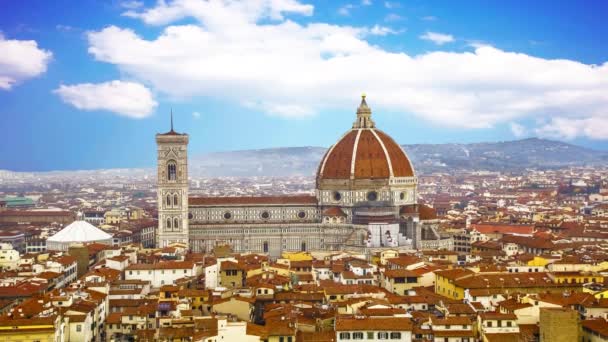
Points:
[(385, 255), (602, 266), (226, 280), (254, 271), (21, 337), (445, 288), (538, 261), (398, 288), (579, 279), (280, 271), (239, 308), (46, 333), (296, 256)]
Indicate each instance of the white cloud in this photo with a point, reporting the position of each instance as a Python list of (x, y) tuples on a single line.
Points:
[(121, 97), (393, 17), (21, 60), (220, 12), (294, 70), (378, 30), (366, 2), (65, 28), (429, 18), (345, 10), (196, 115), (391, 4), (131, 4), (518, 130), (437, 38), (571, 128)]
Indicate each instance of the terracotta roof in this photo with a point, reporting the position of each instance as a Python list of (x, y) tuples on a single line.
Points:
[(319, 336), (502, 337), (462, 320), (598, 326), (426, 212), (492, 228), (266, 200), (36, 213), (374, 153), (400, 273), (404, 260), (334, 211), (12, 322), (496, 316)]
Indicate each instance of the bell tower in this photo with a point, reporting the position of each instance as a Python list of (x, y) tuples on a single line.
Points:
[(172, 185)]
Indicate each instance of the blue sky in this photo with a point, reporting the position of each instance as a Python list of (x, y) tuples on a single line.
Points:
[(86, 84)]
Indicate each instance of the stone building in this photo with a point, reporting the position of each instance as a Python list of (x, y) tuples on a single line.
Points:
[(172, 179), (559, 324), (365, 199)]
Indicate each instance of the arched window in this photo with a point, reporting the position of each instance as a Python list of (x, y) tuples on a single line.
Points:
[(175, 201), (303, 249), (168, 223), (168, 200), (176, 223), (265, 246), (171, 170)]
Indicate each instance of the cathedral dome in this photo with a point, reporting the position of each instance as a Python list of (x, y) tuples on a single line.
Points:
[(364, 152)]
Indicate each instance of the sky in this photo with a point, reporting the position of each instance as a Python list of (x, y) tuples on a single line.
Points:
[(87, 84)]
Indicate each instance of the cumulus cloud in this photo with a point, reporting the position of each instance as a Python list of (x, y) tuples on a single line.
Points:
[(21, 60), (345, 10), (222, 12), (518, 130), (196, 115), (298, 70), (437, 38), (378, 30), (124, 98), (570, 128)]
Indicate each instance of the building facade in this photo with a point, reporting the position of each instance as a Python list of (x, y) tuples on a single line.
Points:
[(365, 199), (172, 185)]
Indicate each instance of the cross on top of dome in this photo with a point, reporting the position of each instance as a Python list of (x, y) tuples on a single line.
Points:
[(364, 115)]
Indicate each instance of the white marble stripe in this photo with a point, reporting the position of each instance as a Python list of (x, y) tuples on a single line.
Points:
[(388, 158), (329, 153), (354, 158)]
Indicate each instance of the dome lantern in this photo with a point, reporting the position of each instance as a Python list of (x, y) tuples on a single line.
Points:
[(364, 115)]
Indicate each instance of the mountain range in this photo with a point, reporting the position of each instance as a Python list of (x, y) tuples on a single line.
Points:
[(506, 156), (514, 155)]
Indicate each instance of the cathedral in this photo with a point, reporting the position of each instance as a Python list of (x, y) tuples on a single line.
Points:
[(365, 200)]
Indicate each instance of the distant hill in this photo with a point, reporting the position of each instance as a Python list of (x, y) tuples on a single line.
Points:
[(503, 156), (285, 161), (497, 156)]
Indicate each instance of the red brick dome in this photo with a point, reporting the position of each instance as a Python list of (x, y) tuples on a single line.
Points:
[(365, 152)]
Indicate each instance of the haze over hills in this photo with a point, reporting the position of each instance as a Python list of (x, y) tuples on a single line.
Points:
[(496, 156), (513, 155)]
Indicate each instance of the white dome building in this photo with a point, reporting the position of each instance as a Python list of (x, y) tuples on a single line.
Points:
[(77, 232)]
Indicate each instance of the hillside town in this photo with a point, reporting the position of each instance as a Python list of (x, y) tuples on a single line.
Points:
[(519, 257)]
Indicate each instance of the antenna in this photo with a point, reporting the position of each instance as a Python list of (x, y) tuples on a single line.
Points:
[(171, 119)]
